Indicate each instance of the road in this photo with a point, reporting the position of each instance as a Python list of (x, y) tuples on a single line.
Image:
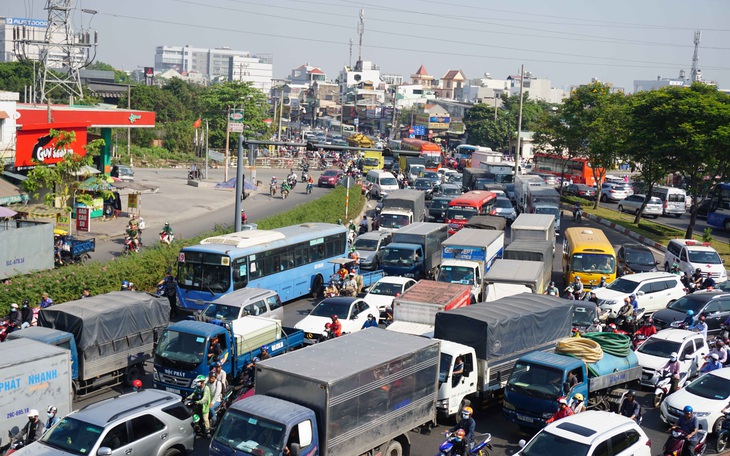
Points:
[(506, 435)]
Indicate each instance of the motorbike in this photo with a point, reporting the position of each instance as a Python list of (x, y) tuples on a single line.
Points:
[(272, 189), (305, 176), (284, 193), (292, 181), (628, 324), (130, 246), (4, 329), (363, 229), (724, 332), (577, 214), (15, 444), (309, 188), (195, 174), (447, 447), (662, 381), (197, 413), (674, 445), (166, 238), (637, 340), (723, 437)]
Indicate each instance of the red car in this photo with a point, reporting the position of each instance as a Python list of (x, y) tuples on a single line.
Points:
[(329, 178)]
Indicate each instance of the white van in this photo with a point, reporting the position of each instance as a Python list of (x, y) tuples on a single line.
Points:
[(673, 200), (691, 255), (381, 182), (258, 302)]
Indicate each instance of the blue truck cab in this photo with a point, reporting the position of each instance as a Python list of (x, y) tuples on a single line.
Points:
[(183, 352), (538, 379), (288, 424), (405, 260), (52, 337), (415, 250)]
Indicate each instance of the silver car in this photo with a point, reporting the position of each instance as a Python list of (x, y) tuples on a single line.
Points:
[(505, 209), (633, 203)]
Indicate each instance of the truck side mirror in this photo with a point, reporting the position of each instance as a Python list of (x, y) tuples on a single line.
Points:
[(566, 387), (522, 443), (295, 449)]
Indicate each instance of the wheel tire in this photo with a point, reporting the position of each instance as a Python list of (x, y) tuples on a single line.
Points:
[(656, 217), (722, 441), (603, 198), (317, 286), (620, 208), (84, 258), (677, 215), (726, 225), (173, 452), (394, 449), (658, 398), (718, 426), (133, 373)]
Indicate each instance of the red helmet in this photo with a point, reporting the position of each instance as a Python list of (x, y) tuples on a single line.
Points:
[(327, 325), (137, 384), (460, 433), (334, 317), (612, 325)]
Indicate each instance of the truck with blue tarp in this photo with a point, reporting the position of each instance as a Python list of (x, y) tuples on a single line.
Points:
[(359, 394), (184, 349), (467, 256), (538, 379), (415, 250)]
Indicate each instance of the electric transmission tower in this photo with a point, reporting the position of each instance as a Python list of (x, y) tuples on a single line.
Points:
[(61, 53), (694, 74)]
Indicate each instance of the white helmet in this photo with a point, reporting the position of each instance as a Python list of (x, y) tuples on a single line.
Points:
[(32, 413)]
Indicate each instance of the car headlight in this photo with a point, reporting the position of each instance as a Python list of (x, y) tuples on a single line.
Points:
[(508, 405), (442, 403), (155, 376), (702, 414)]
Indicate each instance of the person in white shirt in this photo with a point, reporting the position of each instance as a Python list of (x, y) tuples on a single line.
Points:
[(216, 390)]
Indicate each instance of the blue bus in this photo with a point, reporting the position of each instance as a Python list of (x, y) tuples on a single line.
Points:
[(293, 261), (718, 209)]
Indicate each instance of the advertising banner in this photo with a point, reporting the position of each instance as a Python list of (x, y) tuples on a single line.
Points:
[(36, 144)]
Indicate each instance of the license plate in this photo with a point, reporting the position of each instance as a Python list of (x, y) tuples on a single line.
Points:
[(172, 390), (524, 418)]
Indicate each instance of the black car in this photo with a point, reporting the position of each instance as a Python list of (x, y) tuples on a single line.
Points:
[(437, 209), (424, 184), (714, 305), (581, 190), (632, 258)]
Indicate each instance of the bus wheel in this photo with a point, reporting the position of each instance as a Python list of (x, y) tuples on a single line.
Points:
[(726, 225), (317, 286)]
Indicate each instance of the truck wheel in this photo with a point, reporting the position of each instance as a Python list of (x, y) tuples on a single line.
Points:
[(133, 373), (84, 258), (317, 286), (394, 449)]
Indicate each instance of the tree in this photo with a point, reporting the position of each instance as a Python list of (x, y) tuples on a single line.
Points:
[(62, 179), (552, 137), (216, 100)]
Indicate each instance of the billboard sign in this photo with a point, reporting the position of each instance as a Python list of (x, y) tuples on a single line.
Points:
[(36, 146)]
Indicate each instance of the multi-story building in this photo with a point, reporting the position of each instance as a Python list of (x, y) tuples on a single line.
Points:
[(257, 70), (216, 64), (8, 115), (659, 82), (539, 89), (451, 84), (306, 75), (422, 78)]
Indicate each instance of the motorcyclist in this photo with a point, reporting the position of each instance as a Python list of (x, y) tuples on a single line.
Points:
[(700, 327), (602, 283), (363, 225), (291, 175), (26, 314), (216, 392), (627, 310), (371, 322), (51, 412), (570, 296), (689, 424), (552, 290), (577, 208), (721, 351), (126, 285), (201, 396), (593, 298), (689, 319), (467, 424), (458, 438), (169, 291), (15, 319), (336, 326), (352, 226), (349, 286), (33, 429), (647, 329), (166, 234), (630, 408), (310, 183), (331, 290), (285, 187), (577, 287), (596, 326), (563, 411), (133, 234), (696, 280), (634, 302), (672, 367), (244, 217), (708, 283), (577, 405)]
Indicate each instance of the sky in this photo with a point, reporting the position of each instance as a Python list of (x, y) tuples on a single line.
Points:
[(567, 41)]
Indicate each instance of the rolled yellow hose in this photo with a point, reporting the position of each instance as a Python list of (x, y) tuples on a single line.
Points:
[(587, 350)]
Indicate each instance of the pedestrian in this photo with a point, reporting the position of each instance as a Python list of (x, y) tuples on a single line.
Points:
[(170, 291), (46, 301), (85, 293), (26, 314)]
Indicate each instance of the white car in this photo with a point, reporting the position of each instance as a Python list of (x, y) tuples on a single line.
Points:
[(632, 204), (654, 353), (591, 433), (613, 192), (653, 290), (381, 294), (707, 395), (351, 312)]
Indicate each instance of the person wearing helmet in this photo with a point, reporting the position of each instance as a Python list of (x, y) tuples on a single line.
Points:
[(630, 407), (349, 285), (264, 352), (331, 290), (672, 368), (220, 374), (708, 283), (611, 328), (371, 322), (552, 290), (713, 363), (695, 281), (689, 424), (15, 319), (216, 393), (647, 329), (720, 349), (700, 326), (563, 411), (634, 302), (201, 396), (33, 429), (569, 293), (336, 326), (125, 285), (577, 405), (467, 425), (602, 283), (577, 287), (327, 334), (26, 314), (51, 412), (166, 235), (596, 326), (689, 319)]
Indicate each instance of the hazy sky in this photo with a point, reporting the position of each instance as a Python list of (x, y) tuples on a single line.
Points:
[(567, 41)]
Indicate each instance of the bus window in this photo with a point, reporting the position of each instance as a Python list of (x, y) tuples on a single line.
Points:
[(240, 273)]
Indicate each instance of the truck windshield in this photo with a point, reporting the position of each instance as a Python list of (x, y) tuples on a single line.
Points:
[(73, 436), (365, 244), (432, 161), (205, 272), (250, 434), (371, 162), (583, 316), (548, 211), (395, 256), (547, 444), (457, 274), (661, 348), (600, 263), (417, 169), (393, 220), (180, 350), (220, 312), (444, 367), (461, 212), (536, 381)]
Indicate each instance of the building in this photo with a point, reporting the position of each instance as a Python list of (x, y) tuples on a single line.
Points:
[(257, 70), (8, 116), (306, 75), (392, 79), (451, 84), (214, 64), (365, 74), (539, 89), (659, 82), (30, 30), (422, 78)]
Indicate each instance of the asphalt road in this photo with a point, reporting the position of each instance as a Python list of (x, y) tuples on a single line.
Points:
[(505, 435)]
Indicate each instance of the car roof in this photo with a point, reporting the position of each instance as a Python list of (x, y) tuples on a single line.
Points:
[(374, 235), (103, 412), (641, 247), (640, 277), (341, 300), (694, 245), (589, 426), (395, 279), (447, 185), (674, 335)]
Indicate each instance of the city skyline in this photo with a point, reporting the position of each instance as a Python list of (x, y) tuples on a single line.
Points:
[(568, 42)]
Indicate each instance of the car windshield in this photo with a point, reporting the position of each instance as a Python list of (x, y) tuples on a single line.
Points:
[(388, 181), (417, 169), (504, 203), (537, 381), (593, 262), (250, 434), (661, 348), (330, 307), (641, 257), (706, 257), (180, 350), (431, 175), (554, 211), (393, 220), (686, 303), (710, 387), (547, 444), (386, 289), (73, 436), (365, 244), (451, 191), (423, 182), (396, 256), (439, 204), (623, 285), (221, 312), (454, 178), (330, 173), (461, 212)]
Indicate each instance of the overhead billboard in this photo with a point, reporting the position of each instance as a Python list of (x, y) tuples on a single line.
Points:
[(36, 146)]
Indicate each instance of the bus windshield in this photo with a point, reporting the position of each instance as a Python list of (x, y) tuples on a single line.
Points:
[(461, 212), (180, 350), (593, 262), (205, 272)]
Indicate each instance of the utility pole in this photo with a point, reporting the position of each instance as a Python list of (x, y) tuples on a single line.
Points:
[(519, 122), (129, 130), (228, 138), (206, 149), (694, 74), (281, 113), (393, 127)]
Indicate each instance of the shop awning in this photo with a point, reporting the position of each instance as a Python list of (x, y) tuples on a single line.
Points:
[(36, 210), (10, 193)]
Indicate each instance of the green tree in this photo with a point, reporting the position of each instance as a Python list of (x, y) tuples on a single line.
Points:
[(16, 76), (216, 100)]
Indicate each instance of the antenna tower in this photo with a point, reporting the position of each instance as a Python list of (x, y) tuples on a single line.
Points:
[(694, 74), (350, 61), (62, 52), (360, 32)]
